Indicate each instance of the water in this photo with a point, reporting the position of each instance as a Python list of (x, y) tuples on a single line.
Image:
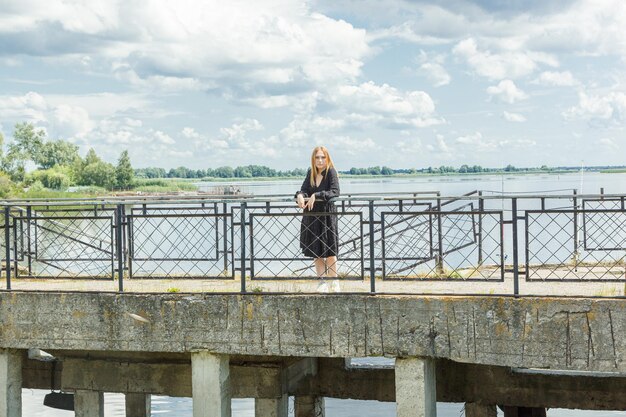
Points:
[(588, 183), (448, 185)]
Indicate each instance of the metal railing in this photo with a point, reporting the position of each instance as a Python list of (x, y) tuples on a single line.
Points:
[(382, 239)]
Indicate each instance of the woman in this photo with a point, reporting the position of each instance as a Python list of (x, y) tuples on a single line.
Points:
[(318, 234)]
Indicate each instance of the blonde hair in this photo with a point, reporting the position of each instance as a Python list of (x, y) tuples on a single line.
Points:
[(329, 163)]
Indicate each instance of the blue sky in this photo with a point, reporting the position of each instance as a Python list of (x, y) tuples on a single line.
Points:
[(403, 83)]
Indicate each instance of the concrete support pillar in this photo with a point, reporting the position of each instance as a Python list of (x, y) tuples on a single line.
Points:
[(479, 410), (138, 405), (415, 387), (309, 406), (210, 384), (271, 407), (10, 383), (512, 411), (88, 403)]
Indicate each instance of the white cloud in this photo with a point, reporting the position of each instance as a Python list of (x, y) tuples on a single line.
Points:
[(513, 117), (30, 107), (183, 45), (609, 144), (507, 91), (441, 145), (611, 106), (473, 139), (516, 143), (352, 146), (497, 66), (556, 79), (432, 67), (386, 105), (435, 73), (585, 27), (476, 141)]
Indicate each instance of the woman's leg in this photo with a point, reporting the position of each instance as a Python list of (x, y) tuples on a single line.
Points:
[(320, 267), (331, 267)]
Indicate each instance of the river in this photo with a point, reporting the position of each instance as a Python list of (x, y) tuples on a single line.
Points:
[(587, 183)]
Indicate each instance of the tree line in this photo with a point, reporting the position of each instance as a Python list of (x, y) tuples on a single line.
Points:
[(58, 164), (260, 171), (248, 171)]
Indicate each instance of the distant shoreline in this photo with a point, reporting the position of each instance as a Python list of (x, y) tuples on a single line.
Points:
[(416, 175)]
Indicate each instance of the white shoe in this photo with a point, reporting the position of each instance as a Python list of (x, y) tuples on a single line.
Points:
[(335, 286), (322, 286)]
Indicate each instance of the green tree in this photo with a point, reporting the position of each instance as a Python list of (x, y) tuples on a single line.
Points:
[(6, 185), (386, 171), (124, 171), (242, 172), (58, 152), (91, 157), (373, 170), (56, 178), (27, 141), (101, 174), (224, 172)]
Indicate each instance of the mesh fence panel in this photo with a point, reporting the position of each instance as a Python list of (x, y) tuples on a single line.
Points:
[(276, 252), (182, 245), (570, 245)]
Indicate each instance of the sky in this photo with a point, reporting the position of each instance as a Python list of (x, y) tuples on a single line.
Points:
[(402, 83)]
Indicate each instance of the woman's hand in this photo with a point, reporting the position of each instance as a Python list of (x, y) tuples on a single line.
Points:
[(309, 204), (300, 201)]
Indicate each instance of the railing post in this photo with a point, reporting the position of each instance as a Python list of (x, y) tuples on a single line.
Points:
[(439, 269), (243, 247), (7, 243), (515, 247), (372, 253), (575, 254), (119, 246), (225, 237), (29, 215), (481, 208)]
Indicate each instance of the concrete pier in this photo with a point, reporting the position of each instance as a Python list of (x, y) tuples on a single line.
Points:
[(416, 387), (210, 381), (138, 405), (10, 383), (480, 410), (514, 352), (88, 403), (309, 406), (271, 407)]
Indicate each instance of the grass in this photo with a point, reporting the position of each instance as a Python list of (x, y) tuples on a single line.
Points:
[(159, 185), (613, 171)]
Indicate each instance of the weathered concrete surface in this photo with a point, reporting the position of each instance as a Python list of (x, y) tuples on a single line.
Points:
[(274, 407), (10, 383), (89, 403), (249, 379), (556, 333), (456, 382), (479, 410), (138, 405), (210, 385), (416, 387), (309, 406), (480, 384)]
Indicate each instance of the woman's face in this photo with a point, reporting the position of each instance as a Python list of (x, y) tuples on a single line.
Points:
[(320, 160)]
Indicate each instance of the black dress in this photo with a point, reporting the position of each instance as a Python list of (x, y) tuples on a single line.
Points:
[(318, 234)]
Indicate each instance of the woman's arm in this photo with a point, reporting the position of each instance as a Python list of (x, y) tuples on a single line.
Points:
[(333, 187)]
